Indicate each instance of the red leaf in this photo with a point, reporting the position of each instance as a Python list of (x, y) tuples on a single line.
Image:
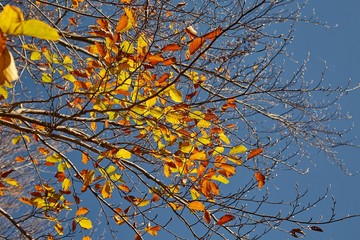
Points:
[(5, 174), (254, 153), (224, 219), (171, 47), (195, 45)]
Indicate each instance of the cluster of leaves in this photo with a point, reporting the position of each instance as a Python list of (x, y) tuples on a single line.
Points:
[(154, 129)]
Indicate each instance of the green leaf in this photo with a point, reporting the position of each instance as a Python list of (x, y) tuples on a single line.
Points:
[(238, 149)]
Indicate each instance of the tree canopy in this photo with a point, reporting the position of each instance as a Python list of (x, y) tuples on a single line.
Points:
[(144, 118)]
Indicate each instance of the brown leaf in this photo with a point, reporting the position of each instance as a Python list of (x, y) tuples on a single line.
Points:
[(296, 231), (169, 61), (316, 228), (224, 219), (195, 45), (254, 153)]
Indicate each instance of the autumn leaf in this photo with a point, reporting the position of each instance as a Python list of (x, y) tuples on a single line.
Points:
[(254, 153), (213, 34), (59, 229), (81, 211), (196, 44), (123, 153), (153, 230), (66, 184), (316, 228), (12, 22), (171, 47), (196, 206), (207, 217), (175, 95), (84, 222), (8, 71), (294, 232), (237, 150), (85, 158), (260, 178), (224, 219), (11, 181)]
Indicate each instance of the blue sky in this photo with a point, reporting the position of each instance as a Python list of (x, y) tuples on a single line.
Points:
[(339, 48)]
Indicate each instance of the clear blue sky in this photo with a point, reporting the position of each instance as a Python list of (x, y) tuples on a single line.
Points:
[(340, 48)]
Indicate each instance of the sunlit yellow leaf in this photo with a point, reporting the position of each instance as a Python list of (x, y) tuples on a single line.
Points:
[(55, 158), (86, 238), (127, 47), (66, 184), (123, 153), (16, 140), (84, 222), (153, 230), (12, 22), (224, 138), (218, 150), (196, 205), (220, 178), (198, 156), (203, 124), (46, 77), (238, 149), (175, 95), (11, 181), (143, 203), (35, 56), (194, 194), (3, 92)]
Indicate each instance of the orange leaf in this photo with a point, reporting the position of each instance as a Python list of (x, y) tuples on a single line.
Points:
[(195, 45), (153, 230), (224, 219), (260, 178), (122, 23), (169, 61), (171, 47), (213, 34), (81, 211), (43, 151), (196, 205), (85, 158), (154, 59), (254, 153), (19, 159), (207, 217)]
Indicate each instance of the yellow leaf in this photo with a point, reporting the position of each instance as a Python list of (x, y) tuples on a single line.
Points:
[(84, 222), (127, 47), (85, 158), (59, 229), (175, 95), (152, 230), (81, 211), (16, 140), (86, 238), (66, 184), (198, 156), (3, 92), (106, 190), (194, 194), (218, 150), (12, 22), (8, 71), (143, 203), (224, 138), (35, 56), (203, 124), (55, 158), (220, 178), (123, 153), (238, 149), (46, 77), (11, 181), (196, 205)]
